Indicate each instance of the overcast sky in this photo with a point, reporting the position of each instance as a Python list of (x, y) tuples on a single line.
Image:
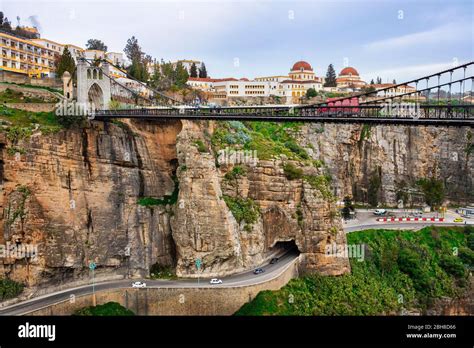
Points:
[(392, 39)]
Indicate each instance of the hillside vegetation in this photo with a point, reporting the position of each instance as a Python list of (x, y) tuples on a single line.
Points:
[(401, 270)]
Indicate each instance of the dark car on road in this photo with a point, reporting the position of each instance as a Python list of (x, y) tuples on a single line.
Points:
[(258, 271), (274, 260)]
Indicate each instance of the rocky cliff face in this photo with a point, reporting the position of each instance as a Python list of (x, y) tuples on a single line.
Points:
[(74, 194), (398, 156), (204, 227)]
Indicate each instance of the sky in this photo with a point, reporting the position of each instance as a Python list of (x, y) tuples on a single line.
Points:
[(393, 39)]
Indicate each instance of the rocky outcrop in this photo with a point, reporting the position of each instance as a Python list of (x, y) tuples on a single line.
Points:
[(290, 210), (74, 195)]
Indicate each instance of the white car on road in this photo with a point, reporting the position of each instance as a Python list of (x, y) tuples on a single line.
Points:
[(138, 285), (215, 281), (380, 212)]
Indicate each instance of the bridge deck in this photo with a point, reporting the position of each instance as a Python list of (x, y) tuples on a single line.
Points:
[(315, 119)]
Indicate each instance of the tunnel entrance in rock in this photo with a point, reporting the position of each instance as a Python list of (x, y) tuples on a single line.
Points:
[(285, 247)]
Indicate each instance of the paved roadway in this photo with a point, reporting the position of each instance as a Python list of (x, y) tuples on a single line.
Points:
[(240, 279)]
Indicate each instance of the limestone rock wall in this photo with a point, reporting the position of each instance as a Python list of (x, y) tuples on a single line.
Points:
[(401, 154), (204, 227), (74, 195)]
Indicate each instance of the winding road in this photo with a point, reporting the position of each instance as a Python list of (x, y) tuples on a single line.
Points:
[(240, 279)]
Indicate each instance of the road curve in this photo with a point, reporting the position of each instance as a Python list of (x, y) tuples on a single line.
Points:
[(236, 280)]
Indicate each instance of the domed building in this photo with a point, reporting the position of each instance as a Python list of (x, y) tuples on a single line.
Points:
[(301, 71), (300, 78), (349, 78)]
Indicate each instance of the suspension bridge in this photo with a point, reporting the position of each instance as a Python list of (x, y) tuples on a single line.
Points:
[(442, 98)]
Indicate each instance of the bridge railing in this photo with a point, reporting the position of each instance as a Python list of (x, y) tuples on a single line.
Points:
[(382, 111)]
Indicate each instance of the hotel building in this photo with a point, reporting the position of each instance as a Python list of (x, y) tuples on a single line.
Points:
[(25, 56)]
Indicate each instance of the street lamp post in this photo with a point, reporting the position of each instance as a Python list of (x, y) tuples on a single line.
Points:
[(92, 267), (198, 266)]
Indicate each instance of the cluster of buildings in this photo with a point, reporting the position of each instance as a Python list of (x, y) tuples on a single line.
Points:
[(36, 57), (293, 86)]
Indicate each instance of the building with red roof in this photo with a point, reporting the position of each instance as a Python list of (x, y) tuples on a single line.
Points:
[(349, 78)]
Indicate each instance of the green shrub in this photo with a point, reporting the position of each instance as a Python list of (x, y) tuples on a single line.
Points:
[(107, 309), (292, 172), (452, 265), (408, 263), (467, 256), (433, 191), (243, 209), (321, 183), (158, 271), (16, 133), (9, 289), (235, 173), (200, 146), (167, 199)]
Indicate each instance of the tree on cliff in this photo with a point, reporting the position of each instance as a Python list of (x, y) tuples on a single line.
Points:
[(96, 44), (433, 191), (138, 70), (65, 63), (134, 53), (348, 208), (181, 75), (132, 50), (193, 71), (203, 71), (330, 77)]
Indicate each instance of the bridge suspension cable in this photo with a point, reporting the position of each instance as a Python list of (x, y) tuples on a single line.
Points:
[(144, 85)]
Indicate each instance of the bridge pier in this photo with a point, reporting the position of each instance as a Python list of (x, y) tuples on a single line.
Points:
[(93, 84)]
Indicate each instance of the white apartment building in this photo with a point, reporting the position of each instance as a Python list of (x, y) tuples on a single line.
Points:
[(392, 92), (242, 88), (76, 51)]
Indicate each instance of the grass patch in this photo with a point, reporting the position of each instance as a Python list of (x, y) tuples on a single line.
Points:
[(51, 89), (322, 183), (13, 96), (16, 119), (269, 139), (415, 266)]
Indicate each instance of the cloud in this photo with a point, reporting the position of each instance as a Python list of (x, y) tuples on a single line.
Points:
[(410, 72), (452, 32)]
